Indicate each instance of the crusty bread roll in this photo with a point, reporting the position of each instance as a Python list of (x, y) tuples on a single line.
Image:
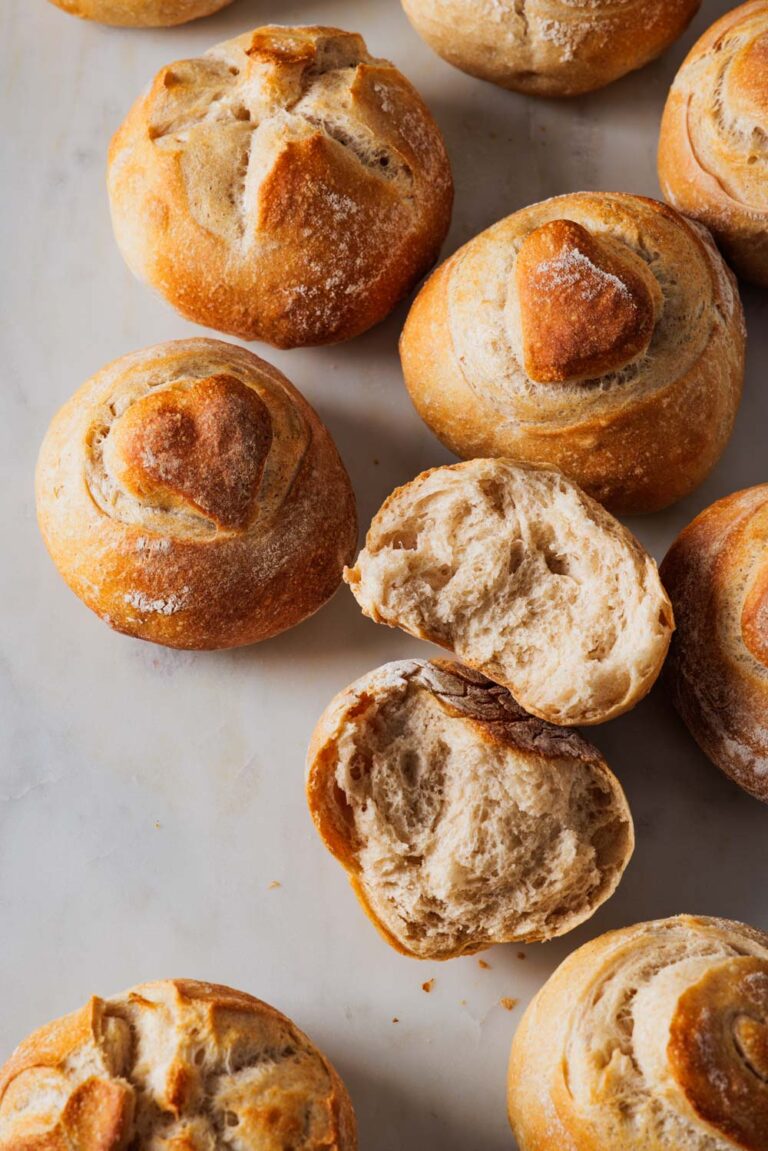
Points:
[(461, 820), (141, 13), (550, 47), (173, 1066), (191, 496), (599, 333), (526, 579), (648, 1039), (716, 574), (713, 151), (286, 186)]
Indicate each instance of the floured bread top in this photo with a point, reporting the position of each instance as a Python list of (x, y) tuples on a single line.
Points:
[(526, 579), (463, 820)]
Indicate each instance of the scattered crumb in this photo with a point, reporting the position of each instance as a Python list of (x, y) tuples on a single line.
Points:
[(274, 884), (158, 824), (428, 986), (395, 1019), (485, 966), (521, 955), (462, 1003), (508, 1004), (376, 462)]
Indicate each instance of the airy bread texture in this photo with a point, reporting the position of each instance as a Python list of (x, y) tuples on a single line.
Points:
[(189, 495), (173, 1066), (550, 47), (526, 579), (286, 186), (648, 1039), (716, 574), (461, 820), (713, 151), (599, 333), (142, 13)]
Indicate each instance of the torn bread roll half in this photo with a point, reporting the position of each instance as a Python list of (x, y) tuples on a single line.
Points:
[(524, 577), (461, 820)]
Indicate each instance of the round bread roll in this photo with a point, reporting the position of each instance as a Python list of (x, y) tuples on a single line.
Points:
[(142, 13), (461, 820), (189, 495), (599, 333), (713, 152), (550, 47), (716, 574), (648, 1039), (286, 186), (173, 1066), (526, 579)]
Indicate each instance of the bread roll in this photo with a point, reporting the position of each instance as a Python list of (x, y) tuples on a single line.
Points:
[(648, 1039), (716, 573), (461, 820), (598, 333), (550, 47), (142, 13), (190, 496), (173, 1066), (713, 153), (286, 186)]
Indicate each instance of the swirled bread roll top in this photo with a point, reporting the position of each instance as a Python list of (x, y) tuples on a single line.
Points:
[(189, 495), (646, 1039), (716, 573), (713, 151), (598, 333), (523, 577), (461, 820), (287, 186), (550, 47), (170, 1066), (142, 13)]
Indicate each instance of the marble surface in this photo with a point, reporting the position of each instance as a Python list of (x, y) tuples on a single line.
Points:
[(151, 800)]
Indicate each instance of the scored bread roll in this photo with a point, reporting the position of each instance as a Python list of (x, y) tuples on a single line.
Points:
[(550, 47), (716, 573), (175, 1065), (526, 579), (189, 495), (600, 333), (461, 820), (287, 186), (713, 150), (142, 13), (652, 1038)]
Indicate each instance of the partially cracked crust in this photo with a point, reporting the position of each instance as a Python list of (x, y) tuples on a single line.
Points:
[(142, 13), (175, 1065), (461, 820)]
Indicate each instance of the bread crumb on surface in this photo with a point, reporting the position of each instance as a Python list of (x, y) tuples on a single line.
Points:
[(395, 1019), (428, 986), (485, 966), (521, 955), (508, 1004), (274, 885)]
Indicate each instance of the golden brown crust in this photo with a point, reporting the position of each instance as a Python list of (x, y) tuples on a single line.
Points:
[(173, 1064), (142, 13), (637, 438), (716, 574), (190, 496), (286, 186), (713, 157)]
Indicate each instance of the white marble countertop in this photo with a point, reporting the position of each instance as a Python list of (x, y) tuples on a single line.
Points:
[(150, 799)]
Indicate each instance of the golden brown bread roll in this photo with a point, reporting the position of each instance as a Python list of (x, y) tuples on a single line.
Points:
[(550, 47), (524, 578), (599, 333), (173, 1066), (716, 574), (461, 820), (286, 186), (142, 13), (713, 152), (652, 1038), (191, 496)]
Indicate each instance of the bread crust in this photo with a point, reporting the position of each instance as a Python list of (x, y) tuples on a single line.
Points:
[(605, 1057), (142, 13), (286, 186), (170, 1063), (190, 496), (716, 574), (495, 720), (550, 47), (713, 163), (636, 439)]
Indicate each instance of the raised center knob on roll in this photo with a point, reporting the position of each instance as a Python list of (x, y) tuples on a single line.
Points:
[(588, 305)]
